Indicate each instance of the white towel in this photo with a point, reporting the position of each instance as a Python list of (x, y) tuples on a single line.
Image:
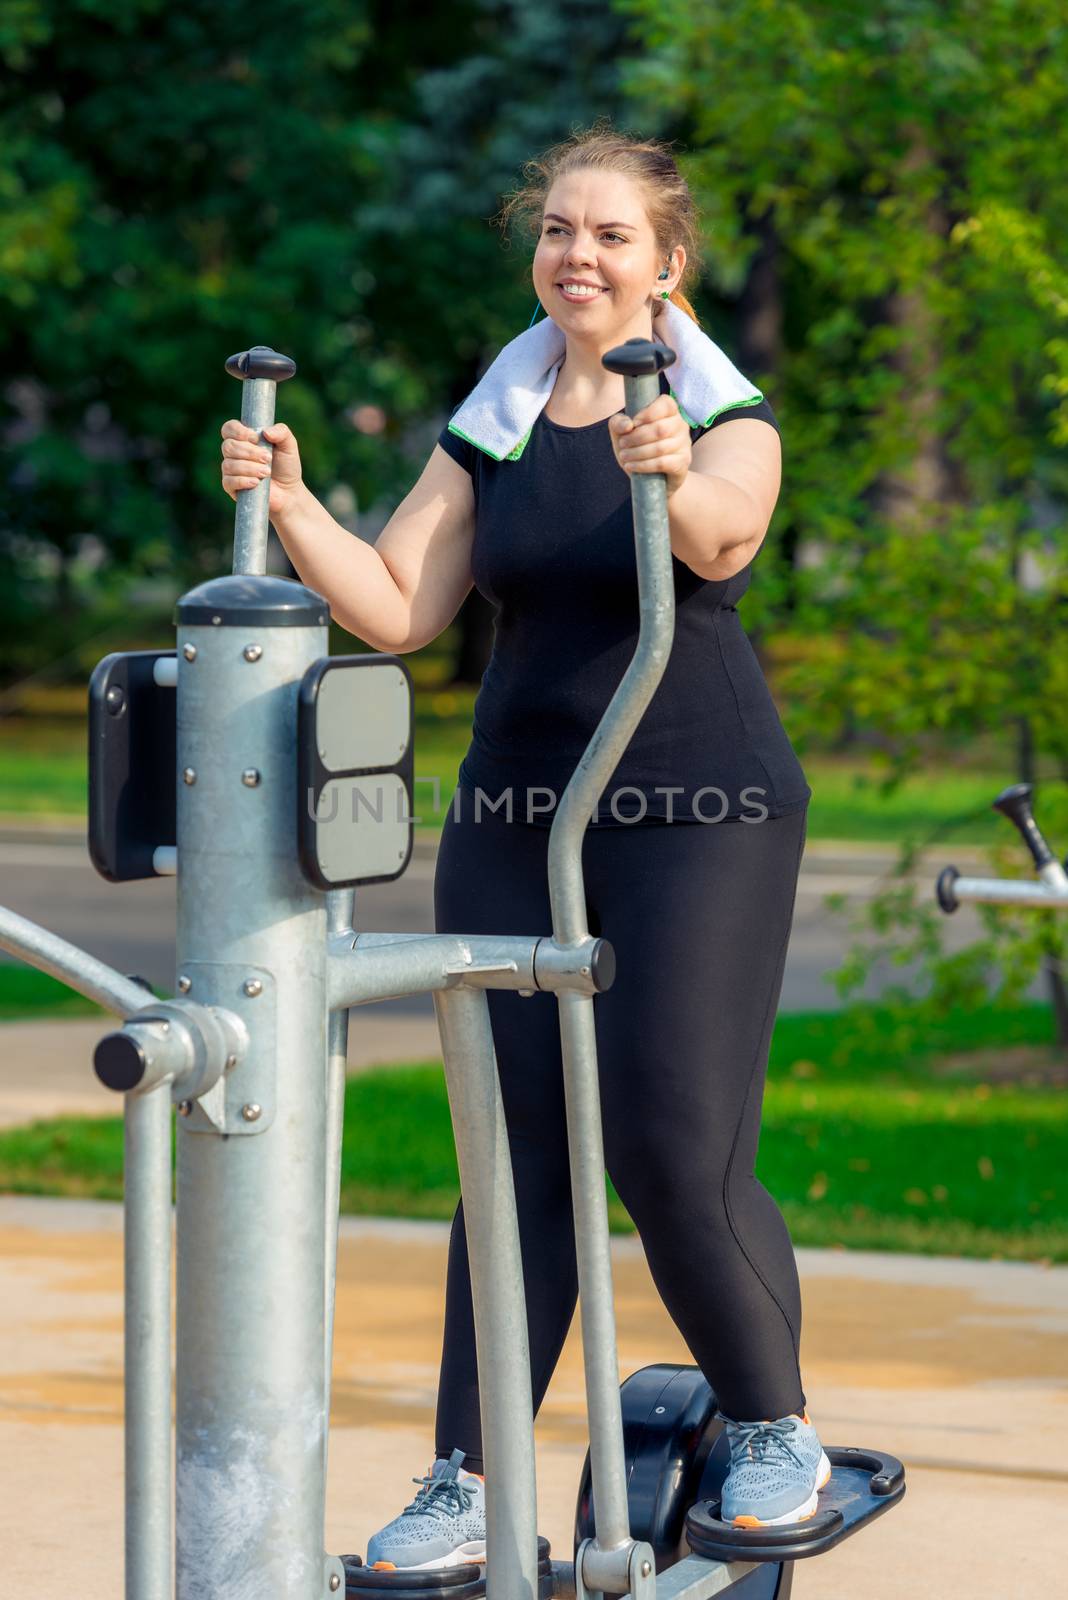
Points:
[(499, 413)]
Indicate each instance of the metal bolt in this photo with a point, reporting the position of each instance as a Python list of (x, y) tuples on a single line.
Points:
[(252, 1112), (189, 651), (335, 1583), (184, 983), (215, 621), (184, 1107), (189, 775), (585, 971), (164, 1027), (231, 1061), (646, 1569), (250, 777), (252, 987), (659, 1410), (526, 993), (252, 652)]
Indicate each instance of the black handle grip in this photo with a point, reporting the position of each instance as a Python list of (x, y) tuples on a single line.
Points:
[(261, 362), (944, 891), (1015, 803), (119, 1062), (638, 357)]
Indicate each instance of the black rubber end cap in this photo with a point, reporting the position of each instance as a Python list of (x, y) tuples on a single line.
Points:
[(944, 889), (261, 362), (638, 357), (603, 965), (119, 1062)]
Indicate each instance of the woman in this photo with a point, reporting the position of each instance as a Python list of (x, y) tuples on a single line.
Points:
[(700, 914)]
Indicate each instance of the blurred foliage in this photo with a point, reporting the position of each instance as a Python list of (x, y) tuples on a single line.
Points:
[(896, 175), (883, 202), (180, 184)]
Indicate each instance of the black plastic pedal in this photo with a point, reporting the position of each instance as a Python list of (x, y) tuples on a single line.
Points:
[(433, 1583), (863, 1484)]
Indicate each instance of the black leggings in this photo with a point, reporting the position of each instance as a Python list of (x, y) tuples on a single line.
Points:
[(699, 916)]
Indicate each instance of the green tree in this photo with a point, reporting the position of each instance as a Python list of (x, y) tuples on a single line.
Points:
[(896, 175), (180, 184)]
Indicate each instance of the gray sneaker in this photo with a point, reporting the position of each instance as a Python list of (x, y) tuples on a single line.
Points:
[(445, 1525), (777, 1470)]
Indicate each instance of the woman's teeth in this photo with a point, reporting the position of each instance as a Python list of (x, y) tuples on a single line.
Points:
[(574, 291)]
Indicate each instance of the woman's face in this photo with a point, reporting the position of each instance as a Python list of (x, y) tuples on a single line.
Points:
[(595, 229)]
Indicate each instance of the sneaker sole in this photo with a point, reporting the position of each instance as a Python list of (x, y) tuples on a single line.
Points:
[(472, 1554), (800, 1513)]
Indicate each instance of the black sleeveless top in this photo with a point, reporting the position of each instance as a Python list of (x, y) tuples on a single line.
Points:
[(554, 553)]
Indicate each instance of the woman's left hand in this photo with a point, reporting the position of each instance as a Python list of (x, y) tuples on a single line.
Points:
[(657, 439)]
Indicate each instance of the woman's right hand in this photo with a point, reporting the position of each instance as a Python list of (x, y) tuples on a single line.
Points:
[(245, 463)]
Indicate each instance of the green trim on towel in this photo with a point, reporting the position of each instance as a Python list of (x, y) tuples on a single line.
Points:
[(513, 454), (517, 450), (755, 400)]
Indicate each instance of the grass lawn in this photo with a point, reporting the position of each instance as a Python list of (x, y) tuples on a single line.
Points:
[(873, 1138), (26, 993), (43, 770)]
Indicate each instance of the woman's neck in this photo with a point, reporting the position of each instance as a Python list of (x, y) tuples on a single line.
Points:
[(585, 391)]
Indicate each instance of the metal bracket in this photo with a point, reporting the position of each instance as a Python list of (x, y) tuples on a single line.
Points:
[(333, 1578), (581, 1591), (642, 1572), (243, 1100)]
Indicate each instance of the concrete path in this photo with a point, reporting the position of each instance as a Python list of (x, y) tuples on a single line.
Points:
[(959, 1367), (47, 876), (46, 1067)]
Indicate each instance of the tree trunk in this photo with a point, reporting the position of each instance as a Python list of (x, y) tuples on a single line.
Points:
[(928, 479)]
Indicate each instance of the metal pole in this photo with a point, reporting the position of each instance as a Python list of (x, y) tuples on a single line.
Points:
[(149, 1511), (577, 1032), (251, 1193), (340, 913), (262, 370), (251, 1380), (497, 1292)]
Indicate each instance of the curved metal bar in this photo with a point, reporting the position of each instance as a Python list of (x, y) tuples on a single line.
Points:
[(656, 592), (74, 967)]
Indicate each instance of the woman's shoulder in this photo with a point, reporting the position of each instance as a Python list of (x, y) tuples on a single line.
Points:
[(761, 412)]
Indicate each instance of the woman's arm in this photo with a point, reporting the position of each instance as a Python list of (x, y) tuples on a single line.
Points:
[(719, 514), (405, 589)]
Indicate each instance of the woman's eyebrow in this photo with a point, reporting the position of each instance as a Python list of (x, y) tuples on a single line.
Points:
[(551, 216)]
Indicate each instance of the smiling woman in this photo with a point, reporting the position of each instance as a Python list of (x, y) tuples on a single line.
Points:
[(699, 916)]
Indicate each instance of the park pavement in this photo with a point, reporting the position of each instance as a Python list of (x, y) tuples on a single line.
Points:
[(957, 1366)]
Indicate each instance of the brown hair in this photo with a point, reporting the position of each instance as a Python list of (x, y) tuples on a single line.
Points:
[(668, 202)]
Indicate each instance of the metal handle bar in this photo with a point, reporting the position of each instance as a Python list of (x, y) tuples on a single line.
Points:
[(952, 890), (261, 369), (606, 1566)]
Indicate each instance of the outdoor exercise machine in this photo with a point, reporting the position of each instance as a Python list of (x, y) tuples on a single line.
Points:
[(953, 890), (272, 780)]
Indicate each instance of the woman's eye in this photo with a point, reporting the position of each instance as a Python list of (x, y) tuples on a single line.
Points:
[(556, 229)]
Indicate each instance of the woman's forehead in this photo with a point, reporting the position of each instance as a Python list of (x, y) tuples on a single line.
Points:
[(598, 197)]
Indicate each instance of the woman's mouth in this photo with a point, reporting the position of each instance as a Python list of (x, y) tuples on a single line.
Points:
[(576, 295)]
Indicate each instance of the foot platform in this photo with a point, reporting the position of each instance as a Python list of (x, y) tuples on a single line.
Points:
[(432, 1583), (862, 1485)]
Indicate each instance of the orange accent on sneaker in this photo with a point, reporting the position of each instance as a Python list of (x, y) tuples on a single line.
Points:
[(384, 1566), (748, 1522)]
